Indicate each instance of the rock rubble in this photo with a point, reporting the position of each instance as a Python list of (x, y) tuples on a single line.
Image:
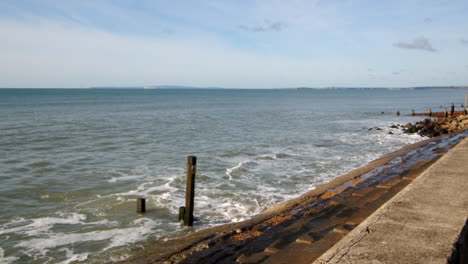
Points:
[(436, 127)]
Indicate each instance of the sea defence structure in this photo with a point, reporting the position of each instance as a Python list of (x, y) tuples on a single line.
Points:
[(328, 223), (418, 225)]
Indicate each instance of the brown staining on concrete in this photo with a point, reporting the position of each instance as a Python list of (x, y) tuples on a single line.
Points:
[(357, 182), (330, 194), (274, 221), (246, 235)]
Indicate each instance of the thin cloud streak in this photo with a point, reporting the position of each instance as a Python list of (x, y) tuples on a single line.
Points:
[(428, 20), (419, 43), (268, 26)]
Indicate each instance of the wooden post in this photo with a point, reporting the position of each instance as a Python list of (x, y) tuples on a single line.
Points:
[(452, 109), (413, 113), (141, 205), (445, 112), (429, 112), (181, 213), (398, 113), (190, 190)]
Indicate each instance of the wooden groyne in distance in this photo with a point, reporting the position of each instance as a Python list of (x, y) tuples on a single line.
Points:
[(441, 114)]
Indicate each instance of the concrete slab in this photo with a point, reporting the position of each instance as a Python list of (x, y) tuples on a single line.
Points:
[(419, 224)]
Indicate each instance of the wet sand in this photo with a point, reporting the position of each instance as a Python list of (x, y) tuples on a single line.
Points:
[(300, 230)]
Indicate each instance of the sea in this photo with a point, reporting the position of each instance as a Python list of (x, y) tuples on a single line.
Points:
[(73, 162)]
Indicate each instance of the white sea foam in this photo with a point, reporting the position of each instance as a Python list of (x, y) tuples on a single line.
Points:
[(6, 260), (128, 175), (138, 230), (72, 257), (142, 190), (33, 227), (230, 171)]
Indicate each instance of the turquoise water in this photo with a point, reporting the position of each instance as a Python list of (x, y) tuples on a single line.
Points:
[(73, 162)]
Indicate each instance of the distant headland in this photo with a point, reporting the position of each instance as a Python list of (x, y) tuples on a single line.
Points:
[(154, 87), (295, 88)]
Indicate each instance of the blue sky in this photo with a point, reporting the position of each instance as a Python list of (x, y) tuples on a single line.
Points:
[(233, 44)]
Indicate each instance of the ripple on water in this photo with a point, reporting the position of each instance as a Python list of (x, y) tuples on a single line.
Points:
[(40, 148), (140, 143), (44, 170), (44, 139), (39, 164), (12, 161), (106, 149), (19, 169), (106, 143)]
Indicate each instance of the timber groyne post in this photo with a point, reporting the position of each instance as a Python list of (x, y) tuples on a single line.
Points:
[(141, 205), (186, 213)]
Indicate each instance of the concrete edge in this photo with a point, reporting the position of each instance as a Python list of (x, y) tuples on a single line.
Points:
[(340, 249)]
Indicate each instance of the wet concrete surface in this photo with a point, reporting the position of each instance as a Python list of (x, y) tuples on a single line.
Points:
[(419, 225)]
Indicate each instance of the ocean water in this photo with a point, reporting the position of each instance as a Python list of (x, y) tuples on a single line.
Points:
[(73, 161)]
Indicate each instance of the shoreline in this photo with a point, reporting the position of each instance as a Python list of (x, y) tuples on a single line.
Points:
[(431, 208), (220, 240)]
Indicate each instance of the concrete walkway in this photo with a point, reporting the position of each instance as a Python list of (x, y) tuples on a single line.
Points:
[(419, 224)]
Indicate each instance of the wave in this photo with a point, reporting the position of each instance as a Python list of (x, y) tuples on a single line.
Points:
[(40, 235)]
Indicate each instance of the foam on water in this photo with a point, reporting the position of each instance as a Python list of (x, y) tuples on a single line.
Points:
[(72, 257), (40, 236), (91, 162), (6, 260)]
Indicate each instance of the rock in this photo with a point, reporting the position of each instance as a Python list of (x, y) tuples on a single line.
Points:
[(408, 125), (390, 133), (437, 127)]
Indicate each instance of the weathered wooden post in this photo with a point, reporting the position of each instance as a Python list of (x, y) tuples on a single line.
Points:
[(398, 113), (445, 112), (141, 205), (189, 192), (413, 113), (429, 112), (452, 109), (181, 213)]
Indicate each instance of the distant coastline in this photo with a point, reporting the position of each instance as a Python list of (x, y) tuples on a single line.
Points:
[(154, 87), (175, 87)]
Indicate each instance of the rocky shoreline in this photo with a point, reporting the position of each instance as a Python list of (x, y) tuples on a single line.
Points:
[(436, 127)]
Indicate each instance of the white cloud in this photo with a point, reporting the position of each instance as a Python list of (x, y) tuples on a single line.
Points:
[(49, 54)]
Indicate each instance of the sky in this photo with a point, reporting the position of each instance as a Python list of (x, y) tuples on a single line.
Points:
[(233, 44)]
